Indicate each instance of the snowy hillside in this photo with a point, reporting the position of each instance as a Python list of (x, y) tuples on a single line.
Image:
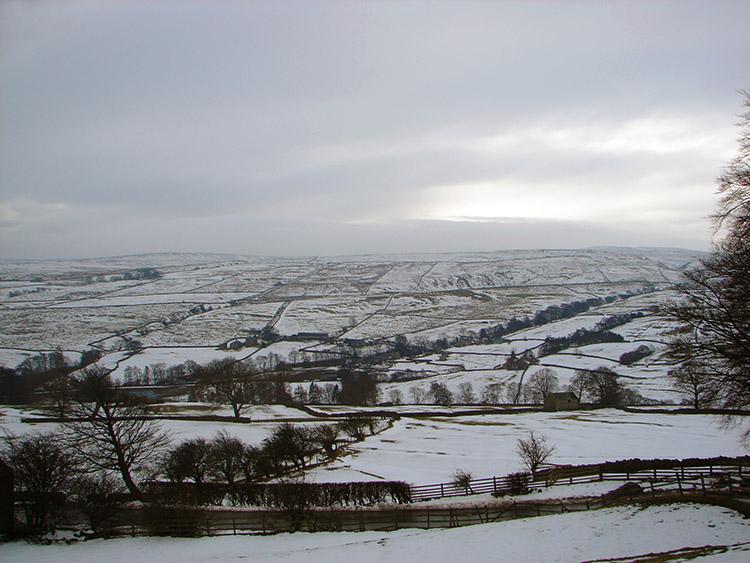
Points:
[(183, 306)]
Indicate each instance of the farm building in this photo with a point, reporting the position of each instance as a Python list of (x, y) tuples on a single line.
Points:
[(561, 402)]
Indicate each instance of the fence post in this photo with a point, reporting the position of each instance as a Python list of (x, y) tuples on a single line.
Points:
[(208, 527), (442, 492), (494, 484), (703, 485), (679, 484)]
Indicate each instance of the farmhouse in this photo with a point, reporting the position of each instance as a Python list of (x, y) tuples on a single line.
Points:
[(560, 402)]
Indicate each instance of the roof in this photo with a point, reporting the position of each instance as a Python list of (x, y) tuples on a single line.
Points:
[(567, 395)]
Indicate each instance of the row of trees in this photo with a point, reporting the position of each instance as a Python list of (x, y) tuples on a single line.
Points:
[(601, 386), (240, 384), (288, 448)]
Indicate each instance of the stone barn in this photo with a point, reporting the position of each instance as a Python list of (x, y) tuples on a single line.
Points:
[(561, 402)]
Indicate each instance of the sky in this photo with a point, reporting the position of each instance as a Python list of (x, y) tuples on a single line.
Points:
[(328, 128)]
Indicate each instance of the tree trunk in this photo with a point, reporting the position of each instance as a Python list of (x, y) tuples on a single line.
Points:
[(129, 483)]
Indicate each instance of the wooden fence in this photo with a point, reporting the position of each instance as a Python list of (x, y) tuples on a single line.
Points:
[(212, 522), (693, 482), (586, 474), (225, 522)]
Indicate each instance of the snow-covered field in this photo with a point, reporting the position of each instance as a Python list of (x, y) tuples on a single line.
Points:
[(430, 450), (202, 301), (703, 533), (205, 300)]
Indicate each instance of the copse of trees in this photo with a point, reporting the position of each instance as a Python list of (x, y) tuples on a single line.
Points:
[(581, 337), (40, 377), (629, 358), (603, 387), (358, 388), (44, 468), (161, 374), (715, 305), (545, 316), (693, 379), (289, 447)]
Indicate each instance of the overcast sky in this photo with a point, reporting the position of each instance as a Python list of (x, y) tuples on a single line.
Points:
[(324, 128)]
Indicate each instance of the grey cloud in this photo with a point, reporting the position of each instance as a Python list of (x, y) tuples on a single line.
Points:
[(303, 117)]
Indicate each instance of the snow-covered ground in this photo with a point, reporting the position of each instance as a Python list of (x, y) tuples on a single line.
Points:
[(430, 450), (715, 534), (421, 296)]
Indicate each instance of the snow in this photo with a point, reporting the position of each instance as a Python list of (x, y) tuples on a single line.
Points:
[(378, 297), (428, 450), (581, 536), (170, 356)]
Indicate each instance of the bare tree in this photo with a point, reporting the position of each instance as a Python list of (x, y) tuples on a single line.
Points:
[(492, 393), (513, 392), (603, 386), (417, 394), (354, 427), (395, 396), (462, 480), (715, 306), (327, 437), (544, 382), (577, 384), (188, 460), (440, 394), (98, 497), (58, 394), (299, 394), (42, 468), (534, 451), (111, 431), (466, 394), (290, 443), (226, 456), (691, 380), (229, 382)]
